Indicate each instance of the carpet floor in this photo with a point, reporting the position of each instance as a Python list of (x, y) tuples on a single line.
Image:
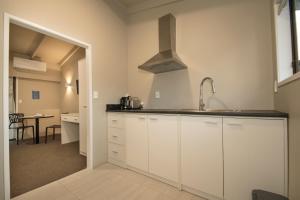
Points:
[(35, 165)]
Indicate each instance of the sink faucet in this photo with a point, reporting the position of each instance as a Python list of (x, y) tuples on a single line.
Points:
[(201, 101)]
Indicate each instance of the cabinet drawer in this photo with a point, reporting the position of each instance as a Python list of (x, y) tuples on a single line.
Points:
[(70, 119), (115, 121), (116, 135), (116, 152)]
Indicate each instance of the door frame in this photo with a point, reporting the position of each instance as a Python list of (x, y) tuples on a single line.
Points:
[(8, 19)]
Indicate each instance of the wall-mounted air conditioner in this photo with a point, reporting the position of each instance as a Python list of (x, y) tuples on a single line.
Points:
[(27, 64)]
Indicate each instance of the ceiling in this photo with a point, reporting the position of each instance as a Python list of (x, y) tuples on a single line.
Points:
[(130, 7), (30, 44), (129, 3)]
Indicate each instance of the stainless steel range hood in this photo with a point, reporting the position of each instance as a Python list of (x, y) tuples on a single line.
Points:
[(166, 60)]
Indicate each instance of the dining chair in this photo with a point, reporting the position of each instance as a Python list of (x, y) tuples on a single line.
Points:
[(53, 127), (17, 122)]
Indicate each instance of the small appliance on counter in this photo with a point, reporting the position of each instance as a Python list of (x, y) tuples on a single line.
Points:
[(135, 103), (128, 103), (125, 102)]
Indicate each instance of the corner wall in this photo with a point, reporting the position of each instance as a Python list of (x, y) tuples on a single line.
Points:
[(288, 100), (69, 75)]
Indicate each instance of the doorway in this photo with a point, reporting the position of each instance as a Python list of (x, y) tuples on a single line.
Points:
[(8, 20)]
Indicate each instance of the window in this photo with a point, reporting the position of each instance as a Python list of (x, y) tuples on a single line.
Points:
[(295, 19), (287, 23)]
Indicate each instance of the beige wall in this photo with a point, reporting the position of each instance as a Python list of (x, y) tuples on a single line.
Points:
[(93, 22), (69, 75), (49, 102), (287, 100), (229, 40)]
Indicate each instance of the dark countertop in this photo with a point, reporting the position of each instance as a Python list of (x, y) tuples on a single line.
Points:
[(241, 113)]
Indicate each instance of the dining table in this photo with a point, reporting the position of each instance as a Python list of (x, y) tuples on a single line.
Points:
[(37, 124)]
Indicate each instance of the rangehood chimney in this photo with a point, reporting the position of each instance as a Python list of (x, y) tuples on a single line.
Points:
[(166, 60)]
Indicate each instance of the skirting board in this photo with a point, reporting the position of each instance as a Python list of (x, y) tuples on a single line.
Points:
[(200, 194)]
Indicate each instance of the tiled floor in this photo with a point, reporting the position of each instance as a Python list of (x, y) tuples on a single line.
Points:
[(107, 182)]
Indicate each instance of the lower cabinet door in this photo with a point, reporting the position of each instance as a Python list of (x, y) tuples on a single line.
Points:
[(254, 157), (163, 146), (202, 155), (136, 141)]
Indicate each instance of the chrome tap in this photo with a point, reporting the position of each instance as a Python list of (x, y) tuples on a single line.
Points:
[(201, 101)]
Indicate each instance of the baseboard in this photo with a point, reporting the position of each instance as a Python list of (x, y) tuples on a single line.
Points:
[(116, 162), (166, 181), (200, 193)]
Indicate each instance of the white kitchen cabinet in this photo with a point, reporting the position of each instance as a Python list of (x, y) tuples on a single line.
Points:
[(211, 156), (202, 155), (116, 139), (254, 157), (116, 152), (69, 128), (163, 146), (116, 135), (136, 141)]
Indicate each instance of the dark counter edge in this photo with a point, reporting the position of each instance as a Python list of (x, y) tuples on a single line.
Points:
[(242, 113)]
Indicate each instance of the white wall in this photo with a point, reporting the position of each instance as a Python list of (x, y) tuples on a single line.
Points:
[(91, 21), (229, 40)]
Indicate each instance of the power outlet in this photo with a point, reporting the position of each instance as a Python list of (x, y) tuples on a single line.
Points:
[(157, 95)]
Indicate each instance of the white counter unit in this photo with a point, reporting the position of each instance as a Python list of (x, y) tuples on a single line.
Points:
[(116, 139), (69, 128), (216, 157)]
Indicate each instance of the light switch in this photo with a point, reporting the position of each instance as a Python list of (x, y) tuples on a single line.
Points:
[(20, 101), (95, 95), (275, 86), (157, 94)]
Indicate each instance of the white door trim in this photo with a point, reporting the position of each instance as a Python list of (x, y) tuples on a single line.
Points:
[(30, 25)]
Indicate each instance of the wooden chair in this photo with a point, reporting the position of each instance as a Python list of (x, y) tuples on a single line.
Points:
[(17, 121), (53, 127)]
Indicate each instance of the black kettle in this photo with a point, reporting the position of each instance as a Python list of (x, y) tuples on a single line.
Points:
[(125, 102)]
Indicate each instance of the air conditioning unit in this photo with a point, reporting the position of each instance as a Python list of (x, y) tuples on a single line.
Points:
[(27, 64)]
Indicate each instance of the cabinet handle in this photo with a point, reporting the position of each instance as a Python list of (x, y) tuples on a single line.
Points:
[(153, 119), (115, 136), (141, 118), (115, 152), (210, 122), (114, 120), (234, 124)]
